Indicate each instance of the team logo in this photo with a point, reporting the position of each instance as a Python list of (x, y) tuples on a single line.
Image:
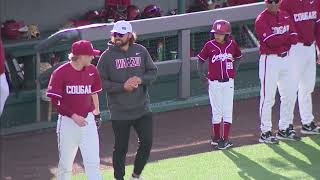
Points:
[(305, 16), (79, 89), (128, 62), (280, 29), (219, 26), (221, 57)]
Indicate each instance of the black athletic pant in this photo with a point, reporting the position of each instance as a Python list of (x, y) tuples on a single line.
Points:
[(121, 130)]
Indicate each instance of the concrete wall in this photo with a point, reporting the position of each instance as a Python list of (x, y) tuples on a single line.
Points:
[(51, 14)]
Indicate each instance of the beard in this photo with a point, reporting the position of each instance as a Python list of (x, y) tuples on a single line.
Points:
[(121, 43)]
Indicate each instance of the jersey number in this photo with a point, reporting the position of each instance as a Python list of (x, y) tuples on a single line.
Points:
[(229, 65)]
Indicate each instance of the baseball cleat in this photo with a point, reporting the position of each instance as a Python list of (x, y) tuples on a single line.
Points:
[(288, 134), (311, 128), (215, 142), (224, 144), (268, 138)]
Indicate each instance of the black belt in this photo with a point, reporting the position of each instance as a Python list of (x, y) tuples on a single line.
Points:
[(221, 80), (284, 54), (307, 44)]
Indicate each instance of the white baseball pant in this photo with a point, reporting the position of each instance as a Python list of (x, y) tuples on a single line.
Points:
[(221, 100), (70, 137), (276, 72), (4, 91), (304, 64)]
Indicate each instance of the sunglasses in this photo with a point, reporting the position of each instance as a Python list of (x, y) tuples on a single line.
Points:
[(115, 34), (271, 1)]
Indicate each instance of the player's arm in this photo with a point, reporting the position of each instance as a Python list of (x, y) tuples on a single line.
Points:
[(317, 30), (95, 99), (96, 111), (96, 88), (151, 70), (265, 34), (203, 56), (236, 56), (55, 91), (107, 84), (292, 31)]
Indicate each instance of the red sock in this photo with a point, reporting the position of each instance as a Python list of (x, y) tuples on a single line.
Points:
[(216, 130), (226, 129)]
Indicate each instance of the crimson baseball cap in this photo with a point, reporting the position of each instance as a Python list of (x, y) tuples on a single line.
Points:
[(84, 47)]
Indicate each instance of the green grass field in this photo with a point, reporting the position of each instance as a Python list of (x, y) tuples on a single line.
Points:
[(288, 160)]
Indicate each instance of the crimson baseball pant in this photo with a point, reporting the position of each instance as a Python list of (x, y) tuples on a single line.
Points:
[(70, 138), (304, 65), (121, 129)]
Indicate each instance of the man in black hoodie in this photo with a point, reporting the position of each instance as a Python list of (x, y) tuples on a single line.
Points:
[(127, 70)]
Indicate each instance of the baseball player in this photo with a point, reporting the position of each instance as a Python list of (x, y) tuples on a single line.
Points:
[(127, 70), (73, 89), (4, 88), (306, 17), (276, 33), (221, 52)]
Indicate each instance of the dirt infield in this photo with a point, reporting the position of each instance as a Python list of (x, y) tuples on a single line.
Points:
[(33, 156)]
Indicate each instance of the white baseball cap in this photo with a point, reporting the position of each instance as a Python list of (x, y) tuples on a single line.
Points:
[(122, 27)]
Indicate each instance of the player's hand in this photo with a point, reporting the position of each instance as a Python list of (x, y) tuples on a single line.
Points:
[(318, 61), (128, 86), (136, 80), (98, 120), (132, 83), (79, 120)]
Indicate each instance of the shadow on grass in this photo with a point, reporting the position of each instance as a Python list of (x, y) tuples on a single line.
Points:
[(315, 139), (250, 169), (310, 168)]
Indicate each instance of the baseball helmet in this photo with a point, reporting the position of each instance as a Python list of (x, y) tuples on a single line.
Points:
[(151, 11), (133, 12), (12, 29), (221, 27)]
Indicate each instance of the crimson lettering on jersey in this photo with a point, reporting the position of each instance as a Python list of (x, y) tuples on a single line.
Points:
[(305, 15), (74, 88), (221, 57), (275, 32)]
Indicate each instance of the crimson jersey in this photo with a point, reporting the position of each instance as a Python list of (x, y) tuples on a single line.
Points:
[(74, 88), (221, 57), (276, 32), (306, 16), (1, 57)]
